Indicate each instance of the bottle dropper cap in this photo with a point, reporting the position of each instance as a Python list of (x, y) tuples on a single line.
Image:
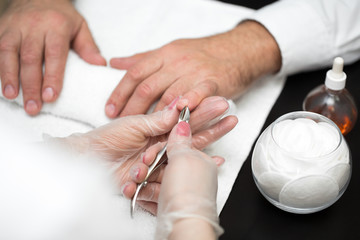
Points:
[(335, 77)]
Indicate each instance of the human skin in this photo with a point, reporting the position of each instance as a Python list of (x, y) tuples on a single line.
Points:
[(37, 32), (224, 64), (129, 144)]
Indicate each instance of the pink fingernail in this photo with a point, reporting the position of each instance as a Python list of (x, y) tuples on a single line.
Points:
[(173, 103), (110, 109), (31, 106), (135, 172), (183, 129), (9, 91), (143, 157), (123, 188), (48, 94)]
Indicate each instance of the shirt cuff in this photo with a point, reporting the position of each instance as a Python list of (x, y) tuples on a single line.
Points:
[(301, 34)]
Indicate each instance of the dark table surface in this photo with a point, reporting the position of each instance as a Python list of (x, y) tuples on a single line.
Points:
[(248, 215)]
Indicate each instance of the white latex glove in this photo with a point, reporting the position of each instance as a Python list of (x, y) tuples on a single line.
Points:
[(124, 142), (187, 201)]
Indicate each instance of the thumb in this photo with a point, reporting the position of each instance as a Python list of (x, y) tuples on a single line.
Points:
[(157, 123), (179, 139), (85, 46)]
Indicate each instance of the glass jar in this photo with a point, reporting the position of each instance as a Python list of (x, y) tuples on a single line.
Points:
[(301, 162)]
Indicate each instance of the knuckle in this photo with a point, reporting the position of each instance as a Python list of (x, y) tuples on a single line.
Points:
[(52, 79), (144, 91), (56, 50), (8, 76), (212, 86), (134, 73), (29, 57), (7, 46), (57, 17), (32, 92), (34, 18), (167, 98), (117, 96)]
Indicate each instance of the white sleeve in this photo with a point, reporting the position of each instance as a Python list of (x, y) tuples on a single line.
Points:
[(311, 33)]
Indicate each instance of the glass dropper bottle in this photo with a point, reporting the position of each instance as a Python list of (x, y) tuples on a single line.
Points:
[(333, 100)]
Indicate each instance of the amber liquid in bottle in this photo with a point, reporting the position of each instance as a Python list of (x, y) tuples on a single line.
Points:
[(338, 105)]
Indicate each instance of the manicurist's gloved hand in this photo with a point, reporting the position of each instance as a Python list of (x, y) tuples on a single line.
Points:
[(187, 201), (125, 142), (37, 32)]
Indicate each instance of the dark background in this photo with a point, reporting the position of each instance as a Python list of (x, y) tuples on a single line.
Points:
[(248, 215)]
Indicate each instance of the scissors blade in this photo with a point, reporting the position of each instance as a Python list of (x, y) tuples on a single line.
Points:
[(133, 200)]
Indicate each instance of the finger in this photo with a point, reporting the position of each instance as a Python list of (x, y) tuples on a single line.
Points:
[(139, 171), (31, 58), (150, 192), (149, 155), (179, 139), (9, 64), (178, 88), (85, 46), (208, 112), (147, 92), (149, 206), (56, 51), (128, 189), (210, 135), (196, 95), (125, 63), (218, 160), (133, 77), (157, 123)]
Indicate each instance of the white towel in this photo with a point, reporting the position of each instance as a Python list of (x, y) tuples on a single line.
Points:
[(122, 28)]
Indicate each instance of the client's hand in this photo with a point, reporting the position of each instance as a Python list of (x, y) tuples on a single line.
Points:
[(124, 142), (187, 201), (37, 32), (220, 65)]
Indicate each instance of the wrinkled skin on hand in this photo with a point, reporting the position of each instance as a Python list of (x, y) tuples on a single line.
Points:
[(224, 64), (37, 32)]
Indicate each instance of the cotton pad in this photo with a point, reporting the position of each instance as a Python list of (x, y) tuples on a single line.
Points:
[(341, 173), (272, 183), (309, 192)]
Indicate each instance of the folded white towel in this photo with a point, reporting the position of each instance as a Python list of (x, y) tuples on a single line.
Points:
[(122, 28)]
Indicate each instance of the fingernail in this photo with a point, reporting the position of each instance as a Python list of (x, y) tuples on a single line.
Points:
[(135, 172), (143, 157), (110, 109), (183, 129), (123, 188), (31, 106), (48, 94), (9, 91), (173, 103)]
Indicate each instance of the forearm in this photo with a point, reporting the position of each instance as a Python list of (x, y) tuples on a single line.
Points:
[(253, 50), (192, 228), (257, 48)]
